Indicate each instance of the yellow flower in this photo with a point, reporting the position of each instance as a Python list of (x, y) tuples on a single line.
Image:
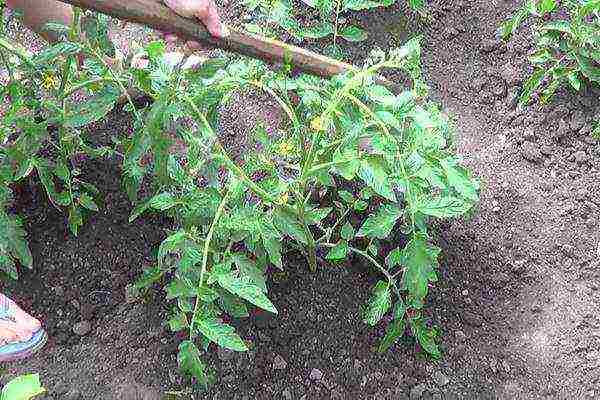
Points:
[(285, 148), (284, 198), (317, 124), (49, 81)]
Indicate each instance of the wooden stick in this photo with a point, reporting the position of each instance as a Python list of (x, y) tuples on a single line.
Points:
[(155, 14)]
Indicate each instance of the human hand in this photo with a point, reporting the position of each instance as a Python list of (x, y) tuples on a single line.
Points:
[(204, 10)]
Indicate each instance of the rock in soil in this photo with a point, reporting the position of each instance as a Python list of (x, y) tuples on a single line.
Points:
[(315, 375), (417, 391), (82, 328), (279, 363), (531, 152), (440, 379)]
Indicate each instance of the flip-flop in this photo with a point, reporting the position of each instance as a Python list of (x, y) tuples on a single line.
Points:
[(19, 350)]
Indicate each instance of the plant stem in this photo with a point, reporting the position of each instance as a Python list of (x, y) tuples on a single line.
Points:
[(373, 261), (311, 244), (82, 85), (16, 50), (263, 194), (205, 250), (336, 24)]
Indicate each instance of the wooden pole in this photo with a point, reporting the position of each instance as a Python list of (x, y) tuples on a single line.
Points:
[(155, 14)]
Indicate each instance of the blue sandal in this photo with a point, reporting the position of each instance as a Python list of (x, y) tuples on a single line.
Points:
[(19, 350)]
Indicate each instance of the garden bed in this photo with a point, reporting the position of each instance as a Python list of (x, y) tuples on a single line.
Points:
[(518, 298)]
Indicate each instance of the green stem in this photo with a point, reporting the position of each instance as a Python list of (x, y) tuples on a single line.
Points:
[(205, 251), (82, 85), (100, 58), (311, 244), (336, 25), (373, 261), (290, 113), (16, 50), (263, 194)]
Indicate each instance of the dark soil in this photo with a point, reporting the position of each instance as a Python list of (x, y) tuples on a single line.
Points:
[(518, 297)]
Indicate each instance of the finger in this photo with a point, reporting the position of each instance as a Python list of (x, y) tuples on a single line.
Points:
[(210, 18)]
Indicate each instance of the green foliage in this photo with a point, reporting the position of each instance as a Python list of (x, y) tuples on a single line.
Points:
[(24, 387), (395, 150), (237, 218), (38, 96), (330, 19), (567, 44)]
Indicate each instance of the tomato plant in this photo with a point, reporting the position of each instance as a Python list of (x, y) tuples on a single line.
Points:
[(567, 44), (355, 170), (330, 19)]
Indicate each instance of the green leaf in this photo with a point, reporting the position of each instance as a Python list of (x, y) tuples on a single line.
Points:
[(346, 196), (12, 240), (380, 224), (180, 288), (361, 205), (394, 258), (319, 31), (233, 305), (75, 220), (573, 78), (374, 172), (588, 68), (532, 83), (163, 201), (443, 206), (244, 287), (459, 179), (426, 337), (24, 387), (149, 277), (316, 215), (289, 225), (353, 33), (249, 269), (420, 260), (170, 244), (222, 334), (359, 5), (52, 53), (155, 49), (395, 329), (545, 6), (339, 252), (540, 57), (93, 109), (86, 201), (379, 303), (190, 364), (347, 232), (178, 322), (55, 27), (62, 171)]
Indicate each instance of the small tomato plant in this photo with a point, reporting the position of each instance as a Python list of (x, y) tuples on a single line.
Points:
[(567, 44), (331, 19), (42, 125), (350, 148)]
